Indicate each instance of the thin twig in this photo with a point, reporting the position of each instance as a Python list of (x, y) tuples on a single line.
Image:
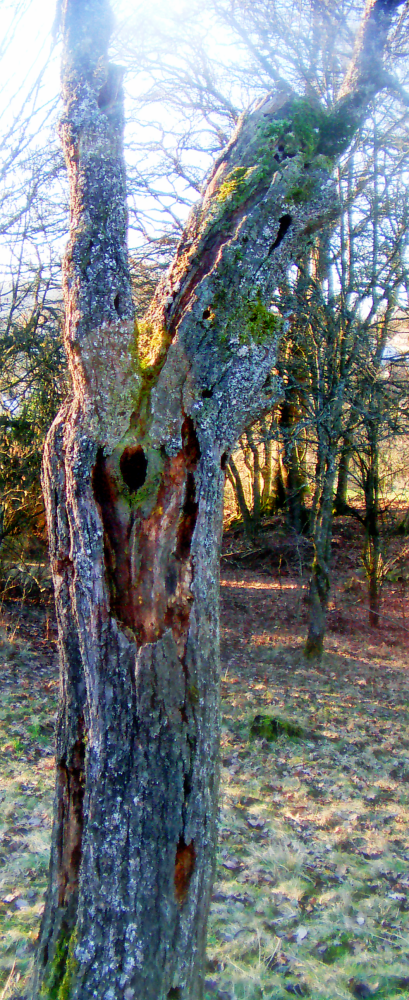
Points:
[(8, 981)]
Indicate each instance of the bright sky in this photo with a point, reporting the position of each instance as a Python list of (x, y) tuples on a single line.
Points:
[(30, 66)]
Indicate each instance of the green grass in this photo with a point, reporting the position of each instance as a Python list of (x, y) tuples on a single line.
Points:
[(312, 890)]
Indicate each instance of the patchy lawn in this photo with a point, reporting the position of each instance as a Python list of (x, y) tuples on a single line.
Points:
[(312, 890)]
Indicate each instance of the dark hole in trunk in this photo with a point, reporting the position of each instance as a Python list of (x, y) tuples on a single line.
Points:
[(116, 303), (189, 515), (133, 465), (174, 993), (285, 223), (70, 797), (223, 461), (184, 867)]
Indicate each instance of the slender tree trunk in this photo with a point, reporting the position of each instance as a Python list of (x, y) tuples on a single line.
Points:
[(256, 477), (341, 495), (372, 550), (237, 485), (133, 478), (295, 474), (320, 573), (267, 467)]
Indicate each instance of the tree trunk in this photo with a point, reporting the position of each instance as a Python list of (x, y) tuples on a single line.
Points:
[(235, 479), (133, 481), (372, 549), (341, 495), (320, 573), (256, 477), (295, 473), (267, 467)]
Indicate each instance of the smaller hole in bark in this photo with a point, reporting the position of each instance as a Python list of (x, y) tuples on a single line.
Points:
[(187, 786), (190, 442), (174, 993), (133, 465), (224, 460), (171, 579), (207, 394), (207, 313), (285, 223), (116, 302), (188, 519), (184, 867)]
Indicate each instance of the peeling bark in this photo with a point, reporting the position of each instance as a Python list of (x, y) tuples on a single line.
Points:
[(134, 470)]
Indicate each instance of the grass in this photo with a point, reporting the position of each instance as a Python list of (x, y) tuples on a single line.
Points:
[(27, 710)]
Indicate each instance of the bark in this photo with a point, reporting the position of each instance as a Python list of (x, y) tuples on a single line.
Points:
[(267, 467), (296, 485), (256, 476), (235, 479), (320, 573), (372, 548), (341, 495), (133, 478)]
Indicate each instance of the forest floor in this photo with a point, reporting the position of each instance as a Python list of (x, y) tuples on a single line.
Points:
[(312, 890)]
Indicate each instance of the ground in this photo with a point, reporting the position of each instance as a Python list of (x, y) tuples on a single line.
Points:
[(312, 890)]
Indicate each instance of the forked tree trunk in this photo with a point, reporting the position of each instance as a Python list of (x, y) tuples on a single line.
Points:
[(133, 479)]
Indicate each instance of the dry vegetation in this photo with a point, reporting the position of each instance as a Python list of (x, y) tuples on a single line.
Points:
[(312, 890)]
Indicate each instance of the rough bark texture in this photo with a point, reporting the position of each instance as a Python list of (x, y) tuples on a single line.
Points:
[(133, 480)]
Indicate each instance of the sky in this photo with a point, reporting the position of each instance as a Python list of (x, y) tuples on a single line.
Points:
[(29, 76)]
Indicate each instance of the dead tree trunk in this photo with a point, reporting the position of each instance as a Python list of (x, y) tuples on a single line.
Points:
[(133, 480)]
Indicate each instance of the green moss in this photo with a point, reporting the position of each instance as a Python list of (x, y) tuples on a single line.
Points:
[(301, 193), (152, 342), (337, 131), (193, 694), (70, 969), (250, 320), (308, 131), (343, 945), (307, 121), (58, 982), (236, 183), (269, 728), (259, 323)]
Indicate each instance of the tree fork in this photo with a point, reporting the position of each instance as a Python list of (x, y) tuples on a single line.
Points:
[(133, 477)]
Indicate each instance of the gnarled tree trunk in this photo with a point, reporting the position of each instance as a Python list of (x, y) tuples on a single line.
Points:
[(133, 480)]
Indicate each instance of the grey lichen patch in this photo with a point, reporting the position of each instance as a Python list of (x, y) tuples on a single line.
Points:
[(112, 379)]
